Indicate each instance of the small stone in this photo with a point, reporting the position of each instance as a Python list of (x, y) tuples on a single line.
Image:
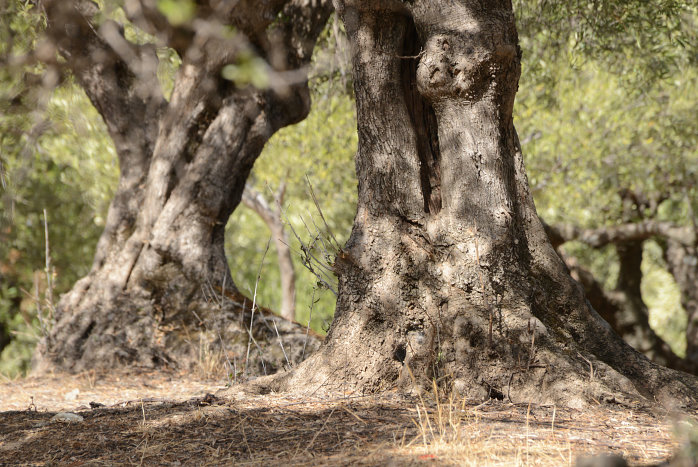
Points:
[(66, 417)]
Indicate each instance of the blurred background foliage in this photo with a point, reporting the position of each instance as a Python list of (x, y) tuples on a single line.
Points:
[(607, 101)]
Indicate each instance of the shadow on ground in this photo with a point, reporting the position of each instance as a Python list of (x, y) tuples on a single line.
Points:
[(376, 430), (208, 430)]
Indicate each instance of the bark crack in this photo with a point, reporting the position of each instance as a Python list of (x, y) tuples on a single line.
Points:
[(424, 123)]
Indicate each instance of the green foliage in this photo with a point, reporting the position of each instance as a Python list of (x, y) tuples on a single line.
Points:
[(663, 298), (598, 139), (69, 170), (638, 40), (247, 69), (55, 156), (22, 333), (599, 113), (177, 12)]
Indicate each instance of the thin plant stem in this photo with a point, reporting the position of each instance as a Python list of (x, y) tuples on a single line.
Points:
[(254, 306)]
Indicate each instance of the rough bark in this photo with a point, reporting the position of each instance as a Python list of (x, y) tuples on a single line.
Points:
[(160, 265), (272, 218), (448, 274)]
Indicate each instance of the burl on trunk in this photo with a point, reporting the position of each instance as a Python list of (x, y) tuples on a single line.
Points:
[(448, 274)]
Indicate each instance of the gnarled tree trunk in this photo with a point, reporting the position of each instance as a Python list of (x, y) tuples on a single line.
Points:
[(448, 273), (160, 265)]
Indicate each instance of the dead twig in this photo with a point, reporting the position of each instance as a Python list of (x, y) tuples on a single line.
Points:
[(307, 327), (281, 344), (317, 205), (254, 306)]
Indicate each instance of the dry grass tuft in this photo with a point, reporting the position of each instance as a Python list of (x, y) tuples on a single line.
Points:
[(451, 431)]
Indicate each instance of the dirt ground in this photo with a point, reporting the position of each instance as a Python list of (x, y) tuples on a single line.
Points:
[(151, 418)]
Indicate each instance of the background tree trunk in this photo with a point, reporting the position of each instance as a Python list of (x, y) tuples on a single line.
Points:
[(682, 260), (448, 274), (624, 308), (627, 316), (272, 217), (160, 278)]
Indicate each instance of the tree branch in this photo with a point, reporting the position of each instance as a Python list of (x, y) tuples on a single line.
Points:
[(615, 308), (146, 15), (255, 201), (602, 236), (119, 77)]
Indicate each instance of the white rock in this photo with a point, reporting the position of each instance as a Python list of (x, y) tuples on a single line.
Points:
[(66, 417)]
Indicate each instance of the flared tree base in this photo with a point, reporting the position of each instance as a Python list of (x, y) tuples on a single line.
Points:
[(177, 323), (419, 312)]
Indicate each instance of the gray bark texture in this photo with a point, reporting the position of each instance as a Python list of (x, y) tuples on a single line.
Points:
[(448, 274), (160, 278)]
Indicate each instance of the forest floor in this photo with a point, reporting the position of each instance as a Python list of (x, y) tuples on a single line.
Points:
[(149, 418)]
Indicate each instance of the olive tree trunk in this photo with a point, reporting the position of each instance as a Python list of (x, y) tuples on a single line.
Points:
[(160, 277), (448, 274)]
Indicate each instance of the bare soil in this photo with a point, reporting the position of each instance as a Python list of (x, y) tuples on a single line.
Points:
[(149, 418)]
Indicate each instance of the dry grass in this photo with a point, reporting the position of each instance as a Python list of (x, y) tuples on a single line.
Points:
[(211, 364), (259, 430), (520, 434)]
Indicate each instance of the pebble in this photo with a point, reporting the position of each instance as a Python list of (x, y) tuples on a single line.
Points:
[(66, 417)]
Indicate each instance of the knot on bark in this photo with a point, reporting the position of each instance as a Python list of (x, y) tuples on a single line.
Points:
[(464, 66)]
